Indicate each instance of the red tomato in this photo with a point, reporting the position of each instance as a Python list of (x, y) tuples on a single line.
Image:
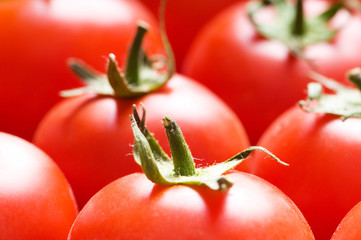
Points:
[(184, 18), (37, 38), (323, 176), (90, 138), (349, 228), (259, 78), (35, 198), (133, 207)]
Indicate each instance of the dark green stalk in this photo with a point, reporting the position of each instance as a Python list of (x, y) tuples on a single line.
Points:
[(133, 62), (298, 25)]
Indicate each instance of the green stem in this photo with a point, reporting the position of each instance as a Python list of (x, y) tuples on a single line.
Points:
[(167, 47), (181, 155), (133, 63), (298, 25)]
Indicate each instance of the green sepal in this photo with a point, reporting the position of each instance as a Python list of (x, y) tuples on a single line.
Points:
[(345, 102), (94, 81), (290, 26), (157, 151), (159, 168)]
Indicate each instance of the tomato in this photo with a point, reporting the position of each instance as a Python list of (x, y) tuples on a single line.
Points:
[(260, 78), (323, 174), (349, 226), (37, 38), (175, 199), (35, 198), (184, 18), (133, 207), (90, 138)]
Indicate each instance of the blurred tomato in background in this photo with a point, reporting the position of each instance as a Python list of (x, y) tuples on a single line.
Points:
[(184, 18), (35, 198), (37, 38), (259, 77)]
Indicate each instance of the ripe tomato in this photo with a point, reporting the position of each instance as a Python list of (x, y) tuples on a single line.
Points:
[(35, 198), (349, 226), (323, 174), (90, 138), (174, 199), (133, 207), (37, 38), (260, 78), (184, 18)]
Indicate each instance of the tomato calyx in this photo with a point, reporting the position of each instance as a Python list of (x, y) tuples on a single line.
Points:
[(345, 102), (141, 76), (180, 168), (291, 27)]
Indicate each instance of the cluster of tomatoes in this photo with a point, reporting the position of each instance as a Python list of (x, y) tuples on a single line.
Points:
[(67, 168)]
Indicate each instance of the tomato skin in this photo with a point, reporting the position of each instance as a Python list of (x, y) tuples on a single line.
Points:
[(323, 173), (259, 78), (91, 139), (349, 228), (182, 30), (35, 198), (38, 37), (132, 207)]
